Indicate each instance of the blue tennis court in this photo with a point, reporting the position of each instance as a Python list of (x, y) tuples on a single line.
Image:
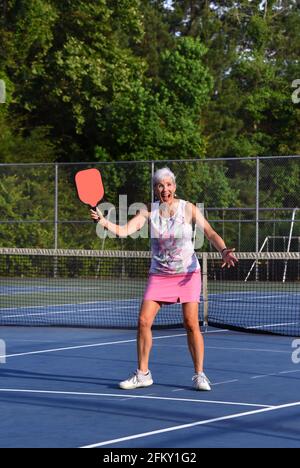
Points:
[(68, 337), (59, 388)]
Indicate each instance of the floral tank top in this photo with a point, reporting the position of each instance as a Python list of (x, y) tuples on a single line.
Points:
[(171, 243)]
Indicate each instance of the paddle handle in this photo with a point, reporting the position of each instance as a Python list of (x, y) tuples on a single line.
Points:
[(94, 208)]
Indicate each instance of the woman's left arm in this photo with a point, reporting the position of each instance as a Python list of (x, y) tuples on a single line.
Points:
[(228, 256)]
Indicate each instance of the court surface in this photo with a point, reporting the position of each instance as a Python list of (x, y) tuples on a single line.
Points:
[(59, 388)]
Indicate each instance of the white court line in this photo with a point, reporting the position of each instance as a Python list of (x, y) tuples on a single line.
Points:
[(95, 345), (66, 305), (55, 350), (224, 382), (212, 384), (272, 325), (187, 426), (264, 376), (274, 374), (134, 396), (260, 350), (64, 312), (251, 298), (128, 396)]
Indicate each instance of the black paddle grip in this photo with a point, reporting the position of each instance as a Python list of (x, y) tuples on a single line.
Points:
[(94, 209)]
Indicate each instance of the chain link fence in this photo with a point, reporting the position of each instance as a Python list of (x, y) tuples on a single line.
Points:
[(251, 202)]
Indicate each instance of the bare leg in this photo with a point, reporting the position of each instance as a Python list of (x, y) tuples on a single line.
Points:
[(194, 335), (147, 315)]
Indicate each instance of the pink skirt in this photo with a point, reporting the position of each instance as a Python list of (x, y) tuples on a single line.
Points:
[(181, 288)]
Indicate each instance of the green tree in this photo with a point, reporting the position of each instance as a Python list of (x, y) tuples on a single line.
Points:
[(65, 59), (160, 119), (253, 50)]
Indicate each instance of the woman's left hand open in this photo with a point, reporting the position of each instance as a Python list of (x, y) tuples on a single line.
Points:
[(229, 259)]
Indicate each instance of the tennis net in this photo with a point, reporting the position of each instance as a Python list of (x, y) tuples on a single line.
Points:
[(104, 289)]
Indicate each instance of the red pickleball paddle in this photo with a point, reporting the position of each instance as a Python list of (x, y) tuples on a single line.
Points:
[(89, 186)]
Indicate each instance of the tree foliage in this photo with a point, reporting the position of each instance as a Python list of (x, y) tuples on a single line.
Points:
[(138, 80)]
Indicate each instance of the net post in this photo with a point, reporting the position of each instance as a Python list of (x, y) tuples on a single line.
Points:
[(205, 291), (289, 242)]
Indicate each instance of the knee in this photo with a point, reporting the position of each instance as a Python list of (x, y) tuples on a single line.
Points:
[(144, 323), (191, 326)]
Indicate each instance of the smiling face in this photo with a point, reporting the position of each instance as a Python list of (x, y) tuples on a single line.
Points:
[(165, 190)]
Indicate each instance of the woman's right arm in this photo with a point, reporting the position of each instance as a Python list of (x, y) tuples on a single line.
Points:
[(134, 225)]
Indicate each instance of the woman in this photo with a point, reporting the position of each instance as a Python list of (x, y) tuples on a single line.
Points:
[(174, 272)]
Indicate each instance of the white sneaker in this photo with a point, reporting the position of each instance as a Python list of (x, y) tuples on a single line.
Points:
[(201, 382), (137, 380)]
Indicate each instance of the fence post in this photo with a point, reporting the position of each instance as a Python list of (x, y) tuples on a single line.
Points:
[(257, 206), (240, 229), (257, 217), (55, 264), (56, 208), (152, 189)]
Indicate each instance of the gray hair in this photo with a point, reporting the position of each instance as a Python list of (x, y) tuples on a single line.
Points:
[(161, 174)]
